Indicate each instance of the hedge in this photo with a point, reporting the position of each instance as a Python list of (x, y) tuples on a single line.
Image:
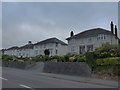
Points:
[(108, 61)]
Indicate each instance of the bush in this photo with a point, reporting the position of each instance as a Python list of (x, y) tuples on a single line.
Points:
[(80, 58), (61, 59), (54, 57), (8, 58), (38, 58), (71, 59), (90, 59), (66, 57), (108, 61), (108, 50), (24, 59)]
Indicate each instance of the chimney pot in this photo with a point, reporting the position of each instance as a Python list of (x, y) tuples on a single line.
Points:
[(29, 42), (71, 34), (112, 27), (115, 30)]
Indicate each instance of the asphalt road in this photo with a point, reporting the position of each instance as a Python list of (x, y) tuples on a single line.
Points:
[(17, 78)]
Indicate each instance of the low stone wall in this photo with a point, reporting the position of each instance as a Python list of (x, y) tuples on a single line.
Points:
[(70, 68), (18, 64)]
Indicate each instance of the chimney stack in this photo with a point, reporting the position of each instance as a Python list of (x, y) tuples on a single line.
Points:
[(29, 42), (112, 27), (71, 34), (115, 30)]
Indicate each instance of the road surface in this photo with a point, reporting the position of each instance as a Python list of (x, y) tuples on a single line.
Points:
[(18, 78)]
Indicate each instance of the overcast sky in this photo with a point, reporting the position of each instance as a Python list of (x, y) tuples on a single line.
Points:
[(22, 22)]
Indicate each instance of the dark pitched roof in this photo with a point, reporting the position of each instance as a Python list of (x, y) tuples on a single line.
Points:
[(13, 48), (27, 46), (91, 32), (51, 40)]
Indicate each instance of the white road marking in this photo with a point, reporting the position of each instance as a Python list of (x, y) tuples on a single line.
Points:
[(3, 78), (24, 86)]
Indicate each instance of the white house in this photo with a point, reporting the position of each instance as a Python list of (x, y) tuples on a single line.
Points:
[(11, 51), (55, 46), (23, 51), (89, 40), (26, 50)]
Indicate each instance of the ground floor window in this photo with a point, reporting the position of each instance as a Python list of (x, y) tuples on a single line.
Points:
[(89, 47), (72, 49), (36, 52), (81, 49), (56, 51)]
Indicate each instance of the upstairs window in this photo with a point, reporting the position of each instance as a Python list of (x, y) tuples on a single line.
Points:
[(36, 47), (89, 40), (101, 37), (44, 45)]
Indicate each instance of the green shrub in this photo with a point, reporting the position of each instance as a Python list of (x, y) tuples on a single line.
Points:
[(71, 59), (37, 58), (54, 57), (24, 59), (80, 58), (66, 57), (90, 59), (108, 50), (7, 58), (108, 61)]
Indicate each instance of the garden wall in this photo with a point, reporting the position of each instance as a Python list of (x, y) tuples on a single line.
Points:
[(70, 68), (18, 64)]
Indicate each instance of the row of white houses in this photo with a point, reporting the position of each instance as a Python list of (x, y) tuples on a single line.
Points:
[(82, 42), (55, 46)]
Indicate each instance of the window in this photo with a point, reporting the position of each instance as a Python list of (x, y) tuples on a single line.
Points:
[(56, 44), (36, 47), (44, 45), (56, 52), (101, 37), (23, 54), (27, 55), (36, 52), (19, 54), (89, 40), (89, 47), (82, 49), (40, 46), (50, 44), (72, 48)]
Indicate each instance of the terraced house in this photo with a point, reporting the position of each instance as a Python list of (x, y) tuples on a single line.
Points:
[(89, 40), (26, 50), (82, 42), (13, 51), (55, 46)]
